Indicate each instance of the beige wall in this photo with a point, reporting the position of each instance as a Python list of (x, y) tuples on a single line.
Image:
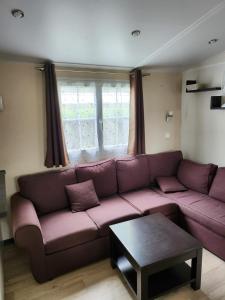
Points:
[(22, 123), (203, 130), (162, 93)]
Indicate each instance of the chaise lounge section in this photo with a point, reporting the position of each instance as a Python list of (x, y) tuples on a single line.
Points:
[(58, 240)]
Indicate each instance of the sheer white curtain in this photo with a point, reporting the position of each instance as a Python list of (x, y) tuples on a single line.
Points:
[(95, 117), (115, 106)]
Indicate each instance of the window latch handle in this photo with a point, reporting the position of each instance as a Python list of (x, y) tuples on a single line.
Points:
[(101, 124)]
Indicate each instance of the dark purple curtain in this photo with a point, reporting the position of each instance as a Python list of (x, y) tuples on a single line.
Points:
[(56, 152), (137, 123)]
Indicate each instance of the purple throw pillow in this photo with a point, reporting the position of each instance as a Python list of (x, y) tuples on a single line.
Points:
[(217, 190), (82, 196), (170, 184)]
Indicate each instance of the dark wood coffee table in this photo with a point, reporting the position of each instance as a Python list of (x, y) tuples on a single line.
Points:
[(150, 253)]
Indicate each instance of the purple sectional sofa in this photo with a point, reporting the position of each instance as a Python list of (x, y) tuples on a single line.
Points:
[(58, 240)]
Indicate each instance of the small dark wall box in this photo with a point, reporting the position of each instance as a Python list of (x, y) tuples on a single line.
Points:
[(216, 102), (189, 82)]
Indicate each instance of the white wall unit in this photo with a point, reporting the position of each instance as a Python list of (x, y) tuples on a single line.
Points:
[(203, 129)]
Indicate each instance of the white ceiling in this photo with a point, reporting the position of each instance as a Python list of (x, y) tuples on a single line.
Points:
[(174, 33)]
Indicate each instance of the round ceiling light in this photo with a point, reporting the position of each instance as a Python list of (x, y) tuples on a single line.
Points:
[(17, 13), (213, 41), (136, 33)]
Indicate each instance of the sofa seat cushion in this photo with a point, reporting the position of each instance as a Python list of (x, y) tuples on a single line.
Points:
[(63, 229), (200, 208), (132, 173), (217, 190), (207, 212), (182, 198), (103, 174), (149, 202), (112, 210)]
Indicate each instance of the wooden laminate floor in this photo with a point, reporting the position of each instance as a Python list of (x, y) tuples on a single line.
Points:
[(99, 282)]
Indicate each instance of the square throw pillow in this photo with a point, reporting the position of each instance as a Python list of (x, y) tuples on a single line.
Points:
[(82, 196), (170, 185)]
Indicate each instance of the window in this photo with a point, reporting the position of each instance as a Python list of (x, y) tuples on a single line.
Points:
[(95, 117)]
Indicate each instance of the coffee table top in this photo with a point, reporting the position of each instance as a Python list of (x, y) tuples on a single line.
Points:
[(153, 238)]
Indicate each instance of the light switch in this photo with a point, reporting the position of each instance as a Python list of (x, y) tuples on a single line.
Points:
[(1, 104), (167, 135)]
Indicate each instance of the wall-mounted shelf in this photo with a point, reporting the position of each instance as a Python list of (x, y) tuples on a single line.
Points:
[(201, 89), (217, 88)]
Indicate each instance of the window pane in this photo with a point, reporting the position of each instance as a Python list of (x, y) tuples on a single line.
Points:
[(78, 108), (116, 102), (84, 104)]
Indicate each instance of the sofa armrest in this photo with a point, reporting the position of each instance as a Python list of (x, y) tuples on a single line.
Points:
[(28, 234), (24, 217)]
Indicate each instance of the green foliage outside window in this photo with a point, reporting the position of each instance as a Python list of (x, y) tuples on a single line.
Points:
[(87, 111)]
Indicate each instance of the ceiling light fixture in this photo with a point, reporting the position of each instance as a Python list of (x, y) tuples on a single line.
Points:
[(17, 13), (136, 33), (213, 41)]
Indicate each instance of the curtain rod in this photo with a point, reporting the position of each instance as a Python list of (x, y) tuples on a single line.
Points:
[(41, 68)]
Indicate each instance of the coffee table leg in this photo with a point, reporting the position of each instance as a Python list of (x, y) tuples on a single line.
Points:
[(196, 270), (113, 255), (142, 286)]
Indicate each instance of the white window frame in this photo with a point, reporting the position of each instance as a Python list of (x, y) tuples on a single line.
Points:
[(99, 83)]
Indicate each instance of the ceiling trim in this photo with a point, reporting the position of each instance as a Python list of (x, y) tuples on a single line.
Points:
[(198, 68), (41, 62), (215, 10), (91, 66)]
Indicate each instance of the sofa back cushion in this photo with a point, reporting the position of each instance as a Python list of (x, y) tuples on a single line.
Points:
[(47, 190), (132, 173), (195, 176), (164, 164), (103, 174), (217, 190)]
